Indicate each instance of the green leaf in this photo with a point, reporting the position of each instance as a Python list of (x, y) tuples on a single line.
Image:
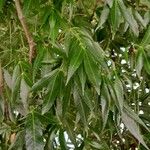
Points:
[(146, 38), (71, 133), (16, 79), (82, 78), (38, 61), (92, 72), (16, 74), (66, 99), (105, 103), (62, 140), (115, 17), (129, 18), (103, 17), (52, 92), (80, 105), (34, 136), (27, 79), (139, 63), (8, 78), (119, 93), (88, 99), (75, 61), (43, 81), (146, 62), (134, 116), (139, 18), (24, 91), (133, 128)]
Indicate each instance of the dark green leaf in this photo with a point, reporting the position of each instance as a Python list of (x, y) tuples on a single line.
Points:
[(139, 63), (105, 103), (16, 79), (92, 72), (62, 140), (80, 105), (33, 137), (103, 17), (115, 16), (24, 92), (43, 81), (8, 78), (52, 92), (75, 61), (119, 93), (129, 17), (82, 78), (146, 38), (133, 128)]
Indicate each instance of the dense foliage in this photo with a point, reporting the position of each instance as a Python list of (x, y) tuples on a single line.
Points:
[(86, 85)]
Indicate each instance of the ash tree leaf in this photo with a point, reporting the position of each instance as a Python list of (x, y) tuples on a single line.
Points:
[(146, 38), (8, 78), (103, 17), (71, 133), (119, 93), (82, 77), (92, 71), (43, 81), (133, 128), (66, 99), (76, 57), (80, 105), (115, 17), (87, 97), (139, 63), (38, 60), (62, 140), (146, 62), (52, 92), (139, 18), (129, 18), (134, 116), (92, 47), (16, 80), (33, 135), (105, 103), (24, 91)]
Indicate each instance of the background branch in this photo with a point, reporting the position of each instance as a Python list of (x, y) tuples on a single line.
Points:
[(30, 40)]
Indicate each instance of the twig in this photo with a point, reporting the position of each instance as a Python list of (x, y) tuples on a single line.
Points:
[(32, 44)]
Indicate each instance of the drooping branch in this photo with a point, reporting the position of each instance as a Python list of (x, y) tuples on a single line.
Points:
[(32, 44)]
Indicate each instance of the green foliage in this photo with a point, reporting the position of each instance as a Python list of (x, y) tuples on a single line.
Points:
[(88, 86)]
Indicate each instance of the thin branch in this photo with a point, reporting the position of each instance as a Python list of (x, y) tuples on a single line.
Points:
[(30, 40)]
